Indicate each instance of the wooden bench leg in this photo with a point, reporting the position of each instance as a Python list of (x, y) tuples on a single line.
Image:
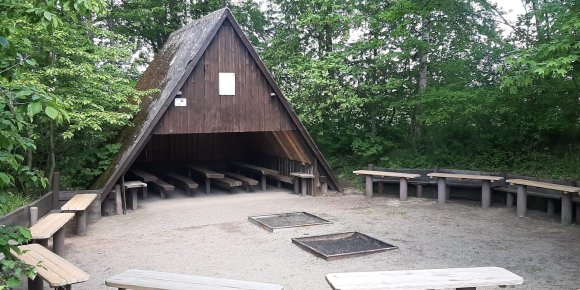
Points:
[(381, 188), (145, 193), (369, 186), (441, 190), (522, 201), (58, 242), (296, 183), (133, 192), (578, 214), (419, 190), (466, 288), (36, 284), (81, 222), (566, 209), (509, 200), (403, 189), (263, 182), (550, 207), (42, 242), (303, 186), (207, 186), (279, 184), (485, 194)]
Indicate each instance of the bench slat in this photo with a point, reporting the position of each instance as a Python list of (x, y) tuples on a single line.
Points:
[(182, 179), (244, 179), (162, 184), (145, 176), (144, 280), (260, 170), (553, 186), (424, 279), (54, 269), (50, 224), (205, 172), (79, 202), (229, 182), (465, 176), (135, 184)]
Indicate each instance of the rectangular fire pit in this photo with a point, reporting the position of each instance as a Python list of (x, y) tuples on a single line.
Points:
[(342, 245), (287, 220)]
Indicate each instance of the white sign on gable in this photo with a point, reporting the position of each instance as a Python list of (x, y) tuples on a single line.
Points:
[(180, 102), (227, 84)]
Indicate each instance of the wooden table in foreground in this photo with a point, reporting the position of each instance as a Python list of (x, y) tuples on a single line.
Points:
[(153, 280), (52, 225), (567, 191), (78, 205), (456, 278), (403, 180), (486, 181)]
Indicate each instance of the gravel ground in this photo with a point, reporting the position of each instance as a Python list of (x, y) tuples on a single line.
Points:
[(211, 236)]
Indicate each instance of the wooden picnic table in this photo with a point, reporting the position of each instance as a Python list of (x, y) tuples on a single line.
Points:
[(567, 191), (306, 181), (206, 173), (486, 181), (79, 204), (403, 180), (454, 278), (51, 225), (263, 172)]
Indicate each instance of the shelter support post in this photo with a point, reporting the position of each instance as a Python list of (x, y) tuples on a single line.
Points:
[(118, 199)]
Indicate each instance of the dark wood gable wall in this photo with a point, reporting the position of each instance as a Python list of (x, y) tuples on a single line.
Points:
[(252, 109)]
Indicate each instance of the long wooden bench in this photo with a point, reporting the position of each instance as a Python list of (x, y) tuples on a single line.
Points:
[(207, 174), (79, 204), (51, 225), (143, 175), (456, 278), (246, 181), (261, 171), (162, 186), (403, 180), (566, 197), (56, 271), (486, 180), (153, 280), (185, 182)]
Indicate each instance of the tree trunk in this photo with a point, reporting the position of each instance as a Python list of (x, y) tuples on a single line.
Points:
[(51, 157), (417, 125)]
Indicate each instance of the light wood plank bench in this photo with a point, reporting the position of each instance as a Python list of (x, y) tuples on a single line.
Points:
[(246, 181), (78, 204), (187, 184), (162, 186), (455, 278), (56, 271), (261, 171), (205, 173), (305, 180), (567, 192), (153, 280), (133, 187), (403, 180), (52, 225), (486, 181)]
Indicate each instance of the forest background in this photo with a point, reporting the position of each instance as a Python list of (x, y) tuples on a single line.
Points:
[(396, 83)]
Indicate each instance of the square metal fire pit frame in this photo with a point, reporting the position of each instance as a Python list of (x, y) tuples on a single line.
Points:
[(316, 252), (255, 220)]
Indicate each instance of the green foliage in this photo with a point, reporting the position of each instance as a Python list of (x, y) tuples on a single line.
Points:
[(12, 269)]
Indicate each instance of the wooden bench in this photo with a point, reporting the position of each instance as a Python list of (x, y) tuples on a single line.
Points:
[(187, 184), (485, 185), (207, 174), (305, 180), (457, 278), (78, 204), (56, 271), (246, 181), (281, 178), (143, 175), (261, 171), (153, 280), (162, 186), (133, 187), (52, 225), (567, 191), (403, 180)]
